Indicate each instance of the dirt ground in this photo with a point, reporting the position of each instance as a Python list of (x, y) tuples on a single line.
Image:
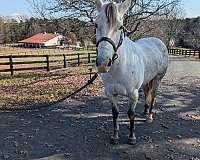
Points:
[(80, 128)]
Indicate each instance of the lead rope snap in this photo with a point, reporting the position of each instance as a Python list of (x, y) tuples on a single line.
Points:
[(115, 56)]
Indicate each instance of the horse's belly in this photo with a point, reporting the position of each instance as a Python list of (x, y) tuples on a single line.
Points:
[(154, 66), (153, 69)]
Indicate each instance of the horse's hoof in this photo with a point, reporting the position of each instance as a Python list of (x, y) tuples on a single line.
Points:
[(149, 119), (114, 140), (132, 140)]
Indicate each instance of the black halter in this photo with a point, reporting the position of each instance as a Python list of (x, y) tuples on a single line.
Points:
[(115, 48)]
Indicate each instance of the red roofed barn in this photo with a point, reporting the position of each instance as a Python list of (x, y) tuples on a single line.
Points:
[(42, 40)]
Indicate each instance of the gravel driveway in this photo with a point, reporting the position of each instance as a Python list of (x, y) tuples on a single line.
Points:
[(79, 128)]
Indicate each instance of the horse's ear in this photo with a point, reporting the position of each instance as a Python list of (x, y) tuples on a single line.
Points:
[(123, 7), (99, 4)]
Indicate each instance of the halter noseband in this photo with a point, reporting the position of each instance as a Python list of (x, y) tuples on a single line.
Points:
[(109, 40)]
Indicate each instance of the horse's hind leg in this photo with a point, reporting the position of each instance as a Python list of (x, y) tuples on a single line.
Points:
[(150, 91), (147, 94)]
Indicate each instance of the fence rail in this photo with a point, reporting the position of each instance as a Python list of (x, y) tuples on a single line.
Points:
[(11, 63), (185, 52)]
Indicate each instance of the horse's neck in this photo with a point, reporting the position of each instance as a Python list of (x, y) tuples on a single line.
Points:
[(127, 50), (126, 54)]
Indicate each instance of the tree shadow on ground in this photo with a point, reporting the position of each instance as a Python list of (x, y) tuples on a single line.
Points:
[(80, 129)]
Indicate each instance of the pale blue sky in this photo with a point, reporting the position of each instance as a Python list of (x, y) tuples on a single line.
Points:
[(13, 7), (192, 7)]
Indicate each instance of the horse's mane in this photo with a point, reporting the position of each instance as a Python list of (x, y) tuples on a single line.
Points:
[(111, 11)]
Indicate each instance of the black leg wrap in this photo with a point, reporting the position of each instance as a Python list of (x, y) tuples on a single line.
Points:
[(131, 114), (146, 107), (151, 110), (115, 113)]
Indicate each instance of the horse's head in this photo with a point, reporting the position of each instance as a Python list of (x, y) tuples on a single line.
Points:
[(109, 24)]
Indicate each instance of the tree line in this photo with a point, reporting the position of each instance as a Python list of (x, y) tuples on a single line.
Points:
[(160, 18), (184, 32), (12, 30)]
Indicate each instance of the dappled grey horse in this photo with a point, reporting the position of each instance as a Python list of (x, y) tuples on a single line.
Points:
[(125, 66)]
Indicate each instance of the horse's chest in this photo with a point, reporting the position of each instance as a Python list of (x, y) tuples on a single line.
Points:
[(118, 86)]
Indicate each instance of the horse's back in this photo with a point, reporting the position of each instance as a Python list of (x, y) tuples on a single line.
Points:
[(152, 44), (155, 56)]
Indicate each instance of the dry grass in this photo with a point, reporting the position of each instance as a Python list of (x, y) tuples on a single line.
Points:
[(29, 89), (6, 50)]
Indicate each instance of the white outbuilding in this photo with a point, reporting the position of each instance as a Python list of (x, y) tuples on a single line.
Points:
[(42, 40)]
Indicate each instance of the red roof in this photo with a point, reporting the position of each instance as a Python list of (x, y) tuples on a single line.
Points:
[(39, 38)]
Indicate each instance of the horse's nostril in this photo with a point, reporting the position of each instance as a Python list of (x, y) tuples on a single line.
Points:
[(109, 63)]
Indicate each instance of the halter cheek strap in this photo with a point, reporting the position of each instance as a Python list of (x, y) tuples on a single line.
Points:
[(115, 48)]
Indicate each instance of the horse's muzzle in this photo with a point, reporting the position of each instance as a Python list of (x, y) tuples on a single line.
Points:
[(102, 67)]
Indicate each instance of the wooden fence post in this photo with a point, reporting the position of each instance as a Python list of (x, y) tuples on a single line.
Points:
[(11, 65), (47, 59), (199, 54), (190, 53), (90, 73), (65, 64), (78, 59), (89, 58)]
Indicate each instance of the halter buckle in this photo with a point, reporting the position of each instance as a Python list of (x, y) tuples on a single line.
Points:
[(115, 56)]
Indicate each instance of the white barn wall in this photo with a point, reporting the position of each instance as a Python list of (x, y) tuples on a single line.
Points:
[(54, 42)]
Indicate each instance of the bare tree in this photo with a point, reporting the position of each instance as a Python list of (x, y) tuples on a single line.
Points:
[(147, 10), (171, 25), (139, 12), (71, 38), (191, 33), (84, 10)]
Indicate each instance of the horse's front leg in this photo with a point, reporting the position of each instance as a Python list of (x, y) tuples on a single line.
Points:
[(133, 99), (115, 113)]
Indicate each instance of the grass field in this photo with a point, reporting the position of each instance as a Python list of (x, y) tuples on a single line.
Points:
[(7, 50), (26, 89), (38, 88)]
